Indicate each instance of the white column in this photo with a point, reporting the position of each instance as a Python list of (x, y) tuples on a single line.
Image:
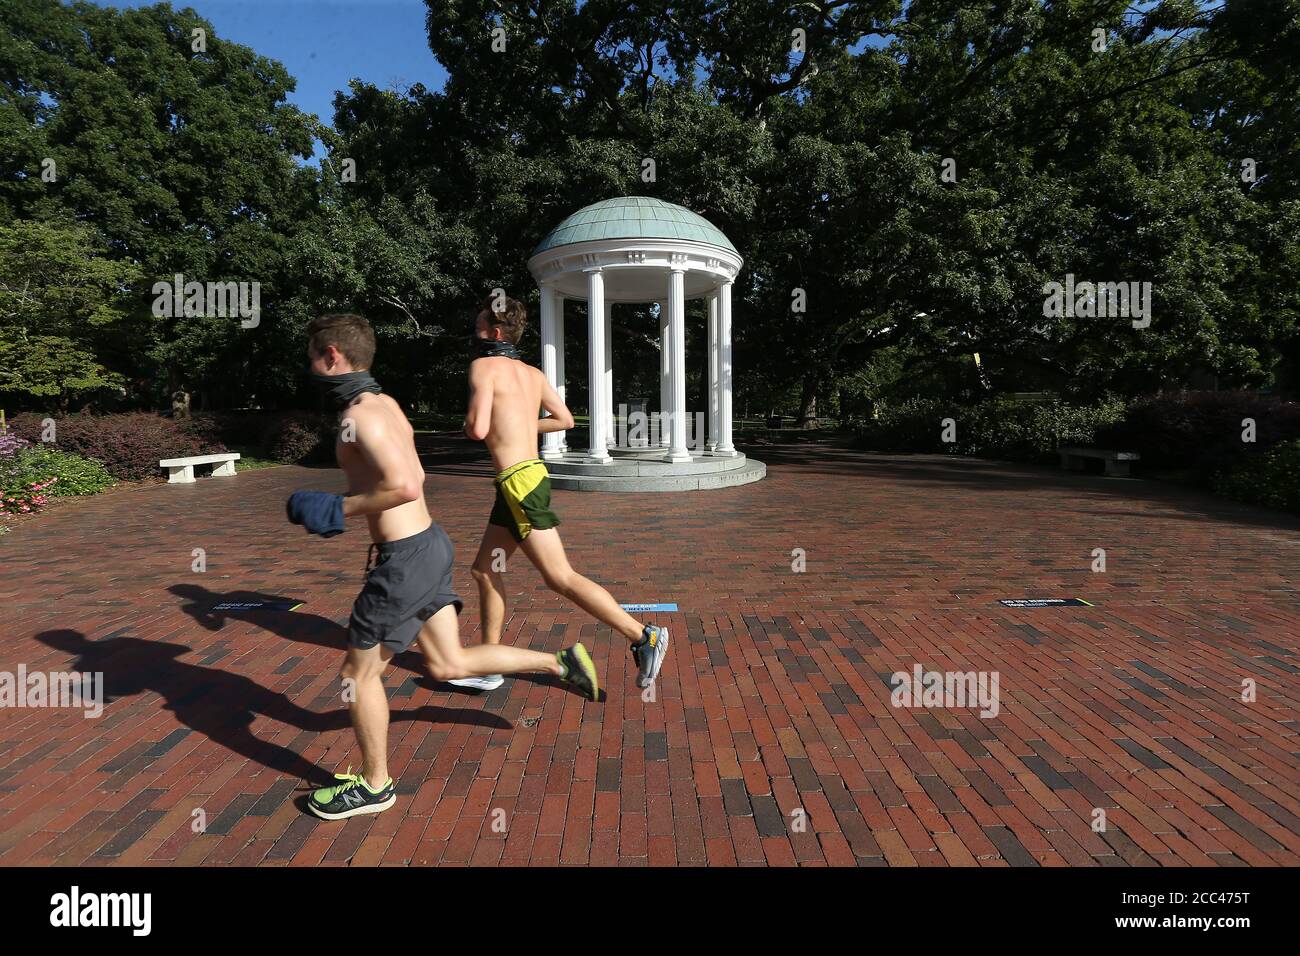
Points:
[(677, 337), (551, 440), (725, 447), (557, 324), (665, 373), (596, 450), (611, 432), (714, 401)]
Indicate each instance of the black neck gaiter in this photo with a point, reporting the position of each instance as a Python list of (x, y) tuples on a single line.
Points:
[(487, 348), (340, 390)]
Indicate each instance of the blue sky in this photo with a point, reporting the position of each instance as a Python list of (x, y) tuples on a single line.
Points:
[(324, 44)]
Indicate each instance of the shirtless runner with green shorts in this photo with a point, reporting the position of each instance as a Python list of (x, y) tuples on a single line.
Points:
[(505, 396)]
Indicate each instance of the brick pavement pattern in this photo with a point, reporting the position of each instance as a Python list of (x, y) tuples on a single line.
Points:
[(770, 739)]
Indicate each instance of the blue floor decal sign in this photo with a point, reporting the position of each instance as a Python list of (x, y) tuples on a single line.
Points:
[(1045, 602), (648, 607)]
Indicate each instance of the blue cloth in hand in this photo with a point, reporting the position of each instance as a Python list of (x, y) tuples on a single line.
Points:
[(318, 511)]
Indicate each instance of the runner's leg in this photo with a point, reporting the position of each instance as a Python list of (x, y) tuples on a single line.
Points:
[(446, 659), (546, 551), (498, 545), (369, 708)]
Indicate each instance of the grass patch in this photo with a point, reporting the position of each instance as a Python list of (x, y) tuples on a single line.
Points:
[(251, 459)]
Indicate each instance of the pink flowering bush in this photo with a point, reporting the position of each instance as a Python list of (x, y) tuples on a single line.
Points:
[(31, 477), (25, 500)]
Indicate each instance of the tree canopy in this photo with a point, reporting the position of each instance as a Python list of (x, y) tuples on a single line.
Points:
[(904, 180)]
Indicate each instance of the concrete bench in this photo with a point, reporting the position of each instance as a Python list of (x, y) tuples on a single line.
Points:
[(181, 470), (1072, 459)]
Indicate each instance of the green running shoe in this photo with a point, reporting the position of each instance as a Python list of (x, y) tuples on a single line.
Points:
[(350, 798), (579, 670)]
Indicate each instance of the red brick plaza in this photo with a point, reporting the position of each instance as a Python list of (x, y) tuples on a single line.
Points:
[(775, 700)]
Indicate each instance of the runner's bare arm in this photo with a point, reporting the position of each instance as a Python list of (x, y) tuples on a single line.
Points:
[(561, 418), (478, 420), (381, 449)]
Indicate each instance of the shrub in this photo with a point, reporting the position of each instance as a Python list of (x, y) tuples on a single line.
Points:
[(294, 436), (129, 445), (1271, 479), (912, 425), (291, 436), (233, 429), (1006, 428), (10, 444), (299, 437), (999, 428), (29, 478), (1202, 430)]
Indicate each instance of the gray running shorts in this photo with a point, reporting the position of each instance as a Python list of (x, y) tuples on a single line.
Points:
[(409, 582)]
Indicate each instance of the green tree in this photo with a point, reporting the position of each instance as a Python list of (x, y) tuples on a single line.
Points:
[(64, 306), (177, 146)]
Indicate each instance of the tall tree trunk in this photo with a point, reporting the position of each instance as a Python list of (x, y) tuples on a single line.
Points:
[(808, 401)]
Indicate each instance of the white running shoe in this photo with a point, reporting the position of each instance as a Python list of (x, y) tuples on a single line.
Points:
[(485, 682)]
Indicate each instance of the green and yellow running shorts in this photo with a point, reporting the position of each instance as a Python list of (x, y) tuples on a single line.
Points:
[(523, 502)]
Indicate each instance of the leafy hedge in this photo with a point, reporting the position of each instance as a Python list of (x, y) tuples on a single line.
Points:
[(300, 437), (1271, 479), (1196, 433), (129, 445), (999, 428), (1202, 431), (282, 436)]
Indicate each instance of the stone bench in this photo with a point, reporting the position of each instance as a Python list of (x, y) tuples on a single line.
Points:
[(181, 470), (1117, 462)]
